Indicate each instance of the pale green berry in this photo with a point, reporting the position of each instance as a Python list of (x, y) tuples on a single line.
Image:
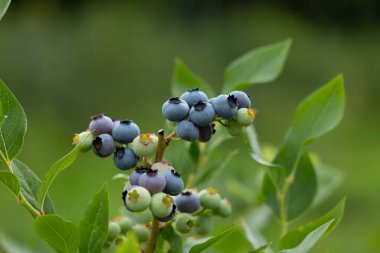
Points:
[(125, 224), (145, 145), (162, 167), (137, 199), (234, 128), (142, 232), (210, 198), (225, 208), (245, 116), (185, 222), (204, 225), (84, 140), (113, 231), (161, 205)]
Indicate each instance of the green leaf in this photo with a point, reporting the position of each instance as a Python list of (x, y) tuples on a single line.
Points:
[(301, 191), (10, 181), (328, 179), (54, 171), (29, 185), (253, 224), (260, 250), (173, 238), (212, 240), (310, 240), (13, 127), (315, 116), (194, 151), (59, 234), (184, 79), (261, 65), (94, 224), (130, 245), (209, 172), (4, 4), (295, 237)]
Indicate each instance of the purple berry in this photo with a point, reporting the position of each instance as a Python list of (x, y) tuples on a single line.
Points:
[(206, 132), (103, 145), (187, 202), (135, 176), (100, 124), (153, 181)]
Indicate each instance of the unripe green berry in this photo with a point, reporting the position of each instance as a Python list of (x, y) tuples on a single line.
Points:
[(245, 116), (224, 209), (161, 205), (204, 225), (234, 128), (84, 140), (113, 231), (185, 222), (137, 199), (125, 224), (209, 198), (162, 166), (142, 232), (145, 145)]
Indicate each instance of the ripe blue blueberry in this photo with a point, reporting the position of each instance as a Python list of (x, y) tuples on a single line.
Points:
[(125, 131), (174, 183), (202, 114), (135, 176), (242, 99), (100, 124), (206, 132), (187, 202), (187, 131), (211, 101), (103, 145), (225, 106), (175, 109), (125, 158), (153, 181), (194, 96)]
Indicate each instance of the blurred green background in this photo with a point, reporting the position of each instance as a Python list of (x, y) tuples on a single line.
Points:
[(68, 60)]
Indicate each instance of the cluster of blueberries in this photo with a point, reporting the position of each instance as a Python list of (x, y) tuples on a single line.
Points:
[(158, 188), (194, 113)]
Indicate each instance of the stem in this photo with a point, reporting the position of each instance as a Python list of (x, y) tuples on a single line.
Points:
[(162, 144)]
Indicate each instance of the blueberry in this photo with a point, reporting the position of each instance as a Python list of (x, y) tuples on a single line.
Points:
[(113, 231), (100, 124), (125, 224), (162, 166), (243, 100), (224, 209), (84, 140), (174, 183), (136, 199), (234, 128), (187, 131), (125, 131), (206, 132), (194, 96), (204, 225), (103, 145), (125, 158), (161, 205), (202, 114), (153, 181), (209, 198), (135, 176), (170, 216), (175, 109), (145, 145), (211, 101), (187, 202), (245, 116), (225, 106), (142, 232), (185, 222)]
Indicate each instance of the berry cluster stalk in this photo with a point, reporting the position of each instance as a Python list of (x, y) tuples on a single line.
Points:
[(162, 144)]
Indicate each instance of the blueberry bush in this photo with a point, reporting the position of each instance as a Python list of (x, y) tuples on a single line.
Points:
[(162, 207)]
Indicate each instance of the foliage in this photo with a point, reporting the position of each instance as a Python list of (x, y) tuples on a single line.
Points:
[(289, 187)]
